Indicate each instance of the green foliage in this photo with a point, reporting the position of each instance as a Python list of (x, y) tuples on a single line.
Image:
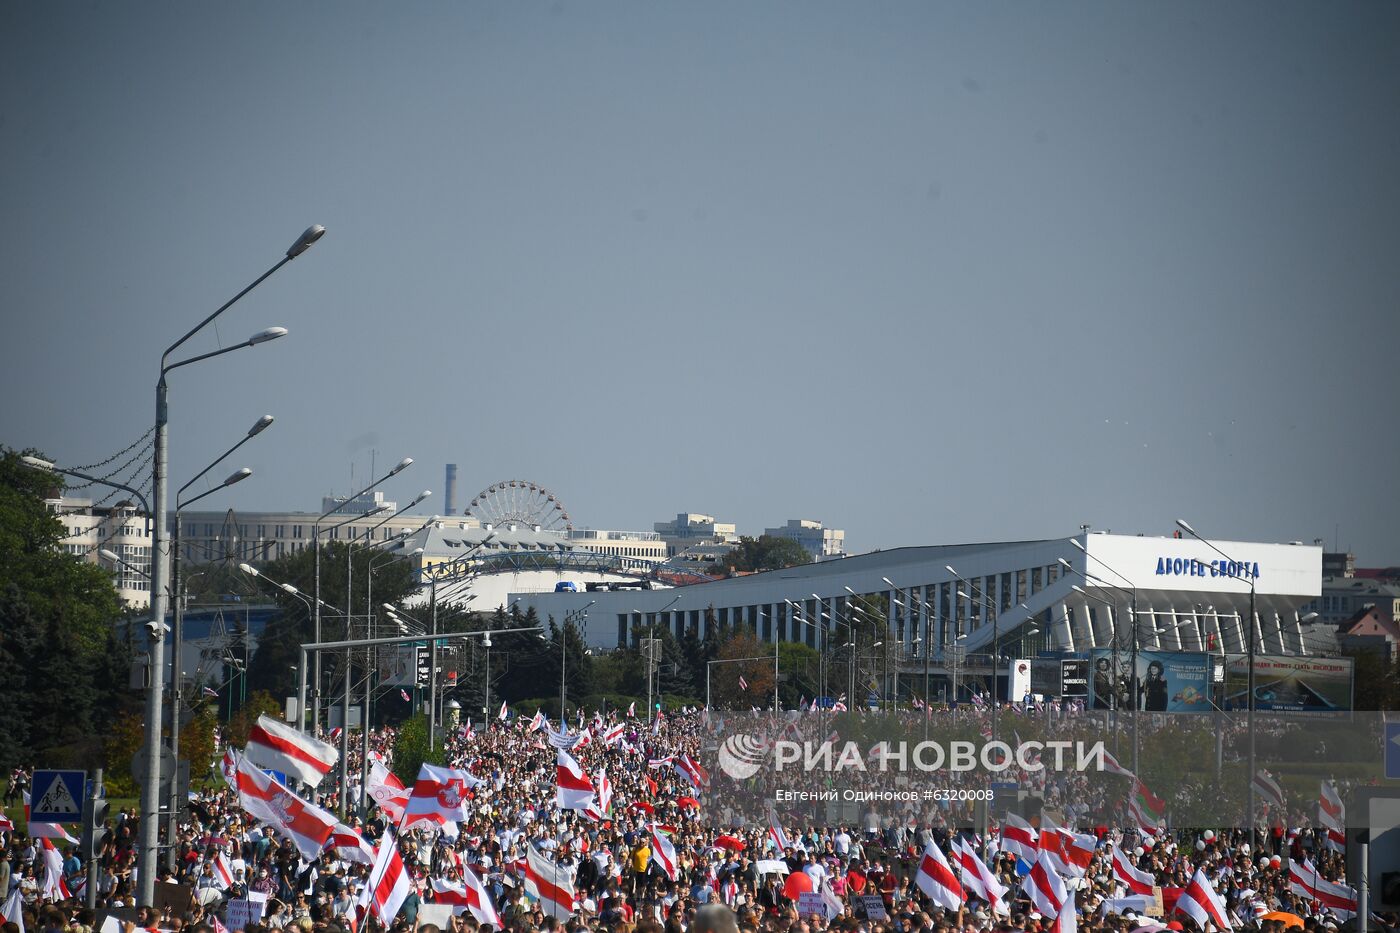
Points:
[(259, 702), (411, 749), (279, 648), (766, 552), (57, 616)]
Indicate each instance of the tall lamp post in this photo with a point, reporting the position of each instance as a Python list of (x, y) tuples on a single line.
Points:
[(988, 609), (1132, 590), (150, 792), (1249, 647)]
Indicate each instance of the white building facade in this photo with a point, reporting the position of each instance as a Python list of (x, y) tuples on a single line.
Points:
[(1013, 596), (122, 529)]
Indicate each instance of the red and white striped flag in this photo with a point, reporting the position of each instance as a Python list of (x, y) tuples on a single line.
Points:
[(504, 714), (1332, 816), (348, 845), (1111, 765), (439, 798), (388, 886), (1305, 881), (632, 709), (743, 684), (538, 722), (936, 879), (386, 790), (582, 740), (228, 767), (1267, 789), (979, 879), (469, 895), (1070, 853), (223, 871), (404, 693), (1201, 903), (691, 770), (775, 831), (54, 886), (304, 823), (613, 735), (573, 789), (552, 884), (1134, 879), (1047, 892), (663, 853), (335, 735), (601, 808), (1020, 839), (280, 747)]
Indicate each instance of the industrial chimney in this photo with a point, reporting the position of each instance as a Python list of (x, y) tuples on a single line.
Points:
[(451, 504)]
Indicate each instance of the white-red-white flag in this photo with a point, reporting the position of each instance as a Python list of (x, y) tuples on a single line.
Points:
[(1305, 881), (388, 886), (46, 830), (1134, 879), (1047, 891), (348, 845), (386, 790), (613, 735), (304, 823), (978, 878), (1020, 839), (936, 879), (504, 714), (550, 883), (1332, 816), (538, 722), (692, 771), (1070, 853), (54, 887), (775, 832), (601, 808), (663, 853), (1201, 903), (276, 745), (574, 791), (469, 895), (439, 798), (223, 871), (632, 709)]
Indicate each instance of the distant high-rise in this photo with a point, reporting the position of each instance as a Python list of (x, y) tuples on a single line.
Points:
[(451, 487)]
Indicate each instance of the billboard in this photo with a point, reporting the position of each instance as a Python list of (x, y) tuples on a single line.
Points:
[(1288, 683), (1167, 681)]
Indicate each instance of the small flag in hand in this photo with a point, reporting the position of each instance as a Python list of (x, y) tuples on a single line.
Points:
[(404, 693), (743, 684), (211, 692)]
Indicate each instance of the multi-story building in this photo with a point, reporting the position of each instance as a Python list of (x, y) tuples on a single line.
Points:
[(120, 528), (821, 543), (646, 544), (692, 530), (1343, 598)]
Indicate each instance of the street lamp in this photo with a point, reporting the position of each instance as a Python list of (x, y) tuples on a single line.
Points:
[(1133, 610), (150, 792), (1249, 682), (988, 609)]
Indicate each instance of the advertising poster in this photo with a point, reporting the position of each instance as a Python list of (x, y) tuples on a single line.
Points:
[(1292, 684), (1168, 681)]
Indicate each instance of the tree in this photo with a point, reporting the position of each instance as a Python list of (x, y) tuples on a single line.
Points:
[(798, 673), (411, 749), (56, 616), (758, 675), (279, 648), (766, 552), (259, 702)]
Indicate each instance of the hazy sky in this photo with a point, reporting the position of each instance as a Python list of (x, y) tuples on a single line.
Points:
[(929, 272)]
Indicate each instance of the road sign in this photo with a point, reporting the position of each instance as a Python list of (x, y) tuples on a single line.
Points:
[(1391, 756), (167, 765), (57, 797)]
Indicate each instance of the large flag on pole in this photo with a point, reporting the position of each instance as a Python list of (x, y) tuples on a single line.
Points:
[(439, 798), (1304, 880), (388, 886), (552, 884), (1048, 893), (1134, 879), (1070, 853), (978, 878), (469, 895), (936, 879), (386, 790), (663, 853), (1201, 903), (1332, 816), (278, 746), (1020, 839), (350, 846), (574, 791), (304, 823), (601, 808)]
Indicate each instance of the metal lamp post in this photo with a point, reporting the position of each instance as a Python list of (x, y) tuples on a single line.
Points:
[(1134, 610), (988, 609), (1249, 682), (150, 792)]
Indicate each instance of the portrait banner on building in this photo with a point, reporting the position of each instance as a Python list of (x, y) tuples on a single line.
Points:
[(1167, 681), (1290, 684)]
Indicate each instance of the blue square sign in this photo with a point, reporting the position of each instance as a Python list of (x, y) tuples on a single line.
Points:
[(1391, 755), (57, 797)]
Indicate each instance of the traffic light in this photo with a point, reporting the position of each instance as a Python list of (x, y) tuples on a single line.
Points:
[(94, 827)]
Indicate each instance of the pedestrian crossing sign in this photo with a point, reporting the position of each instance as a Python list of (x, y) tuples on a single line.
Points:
[(57, 797)]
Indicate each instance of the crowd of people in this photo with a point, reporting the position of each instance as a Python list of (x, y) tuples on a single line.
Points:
[(858, 867)]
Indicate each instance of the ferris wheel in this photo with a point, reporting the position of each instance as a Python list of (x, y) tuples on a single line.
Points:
[(520, 502)]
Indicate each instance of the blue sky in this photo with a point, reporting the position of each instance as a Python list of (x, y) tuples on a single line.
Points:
[(929, 272)]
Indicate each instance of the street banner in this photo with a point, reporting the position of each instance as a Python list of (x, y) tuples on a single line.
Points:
[(1167, 681), (1290, 684)]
